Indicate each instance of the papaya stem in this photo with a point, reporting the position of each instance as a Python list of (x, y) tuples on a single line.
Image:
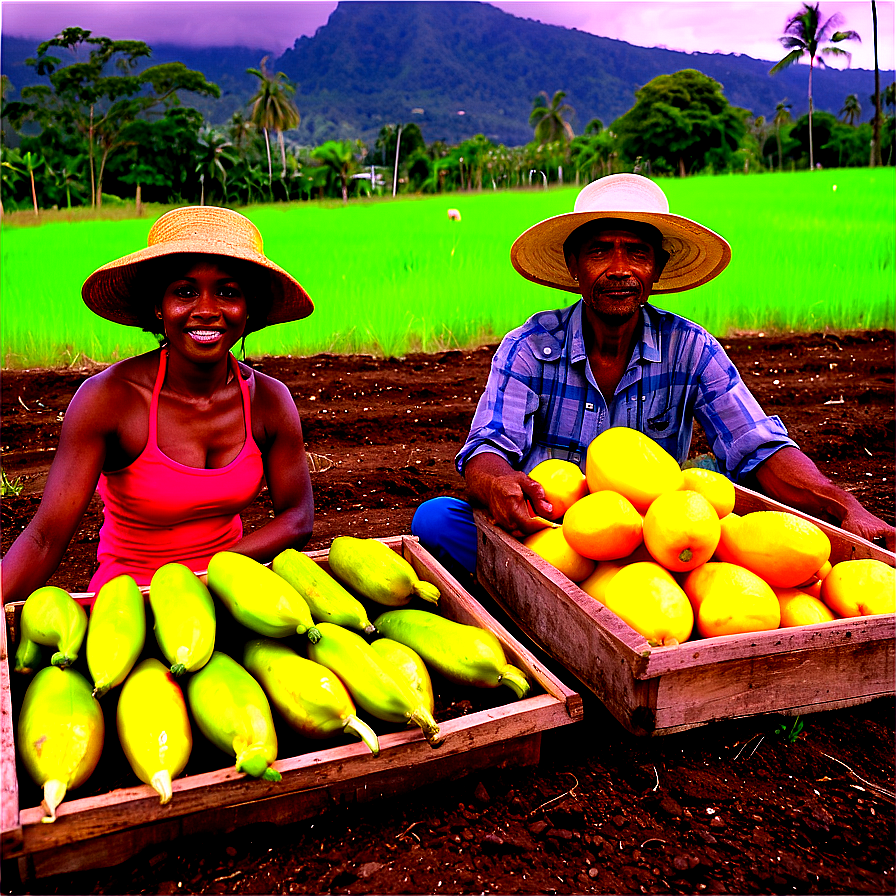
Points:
[(427, 591), (313, 634), (63, 660), (178, 669), (54, 794), (161, 784), (422, 717), (360, 728), (515, 679), (686, 555)]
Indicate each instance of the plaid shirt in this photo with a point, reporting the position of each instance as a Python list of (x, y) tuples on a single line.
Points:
[(541, 399)]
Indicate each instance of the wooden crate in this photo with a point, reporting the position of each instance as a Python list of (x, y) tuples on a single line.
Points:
[(104, 830), (660, 690)]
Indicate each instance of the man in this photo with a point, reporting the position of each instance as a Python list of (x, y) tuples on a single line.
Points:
[(613, 359)]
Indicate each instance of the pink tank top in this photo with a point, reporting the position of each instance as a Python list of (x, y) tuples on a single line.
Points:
[(158, 511)]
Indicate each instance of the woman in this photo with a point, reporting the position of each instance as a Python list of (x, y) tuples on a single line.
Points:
[(178, 440)]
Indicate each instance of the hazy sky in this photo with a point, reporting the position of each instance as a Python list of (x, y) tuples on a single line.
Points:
[(751, 28)]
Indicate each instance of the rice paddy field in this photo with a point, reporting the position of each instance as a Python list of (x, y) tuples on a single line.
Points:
[(812, 251)]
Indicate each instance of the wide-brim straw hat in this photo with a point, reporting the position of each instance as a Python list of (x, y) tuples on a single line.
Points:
[(204, 230), (696, 253)]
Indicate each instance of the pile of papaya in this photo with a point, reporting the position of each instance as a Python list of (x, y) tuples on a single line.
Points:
[(306, 656), (662, 548)]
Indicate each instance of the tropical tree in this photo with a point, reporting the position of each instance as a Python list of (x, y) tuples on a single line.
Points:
[(682, 122), (782, 117), (876, 122), (339, 159), (852, 110), (89, 104), (548, 118), (214, 160), (805, 34), (273, 109)]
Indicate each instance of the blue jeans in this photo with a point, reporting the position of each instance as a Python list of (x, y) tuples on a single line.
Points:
[(446, 529)]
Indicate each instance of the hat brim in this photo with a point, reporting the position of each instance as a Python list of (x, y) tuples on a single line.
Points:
[(696, 253), (107, 290)]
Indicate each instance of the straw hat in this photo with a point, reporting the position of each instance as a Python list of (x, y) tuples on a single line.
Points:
[(696, 254), (205, 230)]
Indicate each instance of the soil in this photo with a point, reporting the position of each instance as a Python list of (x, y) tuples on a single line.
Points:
[(734, 807)]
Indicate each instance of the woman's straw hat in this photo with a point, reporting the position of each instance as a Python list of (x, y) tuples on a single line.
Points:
[(696, 254), (205, 230)]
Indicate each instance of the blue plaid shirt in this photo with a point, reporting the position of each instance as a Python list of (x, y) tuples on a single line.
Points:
[(541, 399)]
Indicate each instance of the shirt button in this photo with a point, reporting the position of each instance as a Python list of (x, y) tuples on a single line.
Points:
[(547, 351)]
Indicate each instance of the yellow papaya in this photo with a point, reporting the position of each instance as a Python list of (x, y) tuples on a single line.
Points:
[(116, 632)]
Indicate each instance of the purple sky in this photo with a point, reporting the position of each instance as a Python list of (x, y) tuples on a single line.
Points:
[(751, 28)]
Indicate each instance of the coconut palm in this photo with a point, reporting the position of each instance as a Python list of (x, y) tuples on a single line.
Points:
[(273, 109), (338, 158), (852, 110), (875, 127), (548, 118), (782, 117), (804, 34)]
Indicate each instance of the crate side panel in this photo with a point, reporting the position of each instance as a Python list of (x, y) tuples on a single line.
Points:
[(809, 680)]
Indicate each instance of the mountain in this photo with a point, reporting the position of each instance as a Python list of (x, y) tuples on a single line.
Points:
[(463, 68)]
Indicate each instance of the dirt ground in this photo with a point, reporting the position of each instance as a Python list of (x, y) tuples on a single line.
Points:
[(730, 808)]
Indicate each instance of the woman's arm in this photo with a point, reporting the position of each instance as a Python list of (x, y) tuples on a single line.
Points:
[(35, 555), (791, 477), (286, 474)]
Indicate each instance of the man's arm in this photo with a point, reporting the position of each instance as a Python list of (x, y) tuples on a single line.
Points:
[(789, 476), (506, 493)]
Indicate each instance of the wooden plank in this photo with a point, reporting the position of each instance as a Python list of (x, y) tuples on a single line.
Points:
[(113, 848), (10, 829)]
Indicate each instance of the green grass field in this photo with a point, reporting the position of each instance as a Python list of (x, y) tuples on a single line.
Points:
[(811, 251)]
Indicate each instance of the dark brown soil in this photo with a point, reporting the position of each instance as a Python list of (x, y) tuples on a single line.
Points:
[(730, 808)]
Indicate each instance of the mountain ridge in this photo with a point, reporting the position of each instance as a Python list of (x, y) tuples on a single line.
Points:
[(462, 68)]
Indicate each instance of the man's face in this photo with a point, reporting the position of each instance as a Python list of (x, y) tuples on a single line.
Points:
[(616, 270)]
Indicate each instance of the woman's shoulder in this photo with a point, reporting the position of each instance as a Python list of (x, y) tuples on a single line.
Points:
[(123, 378)]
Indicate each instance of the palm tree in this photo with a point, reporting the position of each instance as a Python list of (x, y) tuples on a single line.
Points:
[(804, 34), (875, 131), (852, 110), (338, 160), (782, 117), (212, 154), (273, 109), (548, 119)]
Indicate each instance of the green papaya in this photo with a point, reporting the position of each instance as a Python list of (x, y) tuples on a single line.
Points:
[(184, 612), (373, 683), (410, 665), (309, 696), (464, 654), (232, 711), (376, 572), (116, 633), (258, 598), (60, 734), (53, 618), (153, 726), (326, 598)]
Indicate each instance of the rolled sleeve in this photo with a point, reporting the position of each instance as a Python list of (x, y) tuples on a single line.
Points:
[(504, 420), (740, 433)]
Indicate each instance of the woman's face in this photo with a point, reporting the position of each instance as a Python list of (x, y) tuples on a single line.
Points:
[(203, 311)]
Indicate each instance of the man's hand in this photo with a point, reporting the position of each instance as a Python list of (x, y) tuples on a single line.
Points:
[(866, 525), (511, 497)]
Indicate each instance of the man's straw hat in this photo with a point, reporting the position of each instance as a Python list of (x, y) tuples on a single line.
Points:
[(205, 230), (696, 254)]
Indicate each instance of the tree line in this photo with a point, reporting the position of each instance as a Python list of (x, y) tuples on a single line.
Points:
[(102, 132)]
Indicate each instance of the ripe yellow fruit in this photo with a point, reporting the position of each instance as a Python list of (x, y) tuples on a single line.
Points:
[(551, 546), (681, 530), (596, 584), (716, 488), (603, 526), (563, 483), (624, 460), (860, 588), (800, 608), (724, 549), (647, 597), (729, 600), (781, 547)]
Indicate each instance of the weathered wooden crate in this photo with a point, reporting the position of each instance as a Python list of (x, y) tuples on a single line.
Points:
[(104, 830), (660, 690)]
